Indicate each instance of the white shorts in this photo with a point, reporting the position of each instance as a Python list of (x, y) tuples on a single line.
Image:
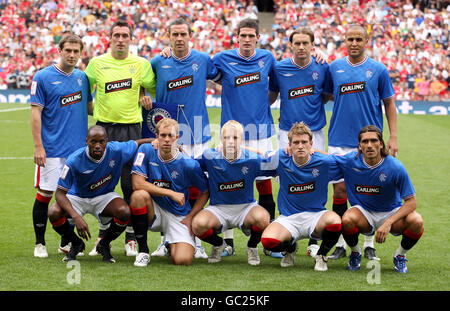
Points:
[(46, 177), (318, 139), (195, 151), (375, 219), (93, 206), (170, 224), (339, 151), (262, 145), (301, 225), (232, 215)]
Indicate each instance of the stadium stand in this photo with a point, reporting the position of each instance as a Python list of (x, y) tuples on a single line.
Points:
[(409, 37)]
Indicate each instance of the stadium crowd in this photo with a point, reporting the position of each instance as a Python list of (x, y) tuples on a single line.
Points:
[(409, 37)]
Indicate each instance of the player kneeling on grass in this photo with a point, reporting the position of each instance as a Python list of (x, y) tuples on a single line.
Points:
[(231, 172), (86, 185), (302, 197), (376, 184), (161, 180)]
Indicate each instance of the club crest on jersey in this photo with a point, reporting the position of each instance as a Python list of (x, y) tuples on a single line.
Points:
[(244, 170), (315, 172), (80, 82), (174, 174), (119, 85), (231, 186), (195, 66), (154, 116), (261, 63), (247, 79), (352, 87), (162, 183), (100, 183), (369, 73), (112, 163), (70, 99), (301, 91), (180, 83), (382, 177), (315, 75), (367, 190), (301, 188)]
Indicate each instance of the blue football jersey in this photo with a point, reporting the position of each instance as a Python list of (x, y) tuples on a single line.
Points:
[(182, 82), (231, 182), (64, 99), (87, 178), (177, 174), (378, 188), (301, 91), (303, 188), (245, 89), (358, 91)]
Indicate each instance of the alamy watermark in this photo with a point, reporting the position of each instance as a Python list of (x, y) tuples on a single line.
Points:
[(73, 277), (374, 275)]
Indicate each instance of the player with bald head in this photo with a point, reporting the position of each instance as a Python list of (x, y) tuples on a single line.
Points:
[(232, 172), (86, 185), (365, 83)]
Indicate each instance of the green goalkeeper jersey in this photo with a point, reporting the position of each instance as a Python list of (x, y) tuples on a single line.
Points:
[(117, 83)]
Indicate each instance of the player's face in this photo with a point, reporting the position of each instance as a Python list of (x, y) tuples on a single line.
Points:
[(167, 139), (179, 39), (247, 41), (96, 142), (355, 42), (120, 40), (370, 147), (301, 46), (301, 146), (70, 54), (231, 142)]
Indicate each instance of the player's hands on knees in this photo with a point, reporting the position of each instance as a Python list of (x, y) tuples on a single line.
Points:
[(383, 232), (146, 102), (40, 156), (166, 52), (188, 223), (82, 228), (178, 197)]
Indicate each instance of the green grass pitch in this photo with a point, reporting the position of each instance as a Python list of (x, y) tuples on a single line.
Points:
[(423, 148)]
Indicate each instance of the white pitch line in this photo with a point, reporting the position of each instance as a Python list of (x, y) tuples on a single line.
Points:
[(16, 158), (14, 109)]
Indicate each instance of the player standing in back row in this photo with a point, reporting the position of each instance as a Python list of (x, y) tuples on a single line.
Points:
[(360, 86), (118, 77), (181, 80), (60, 101), (245, 98), (304, 88)]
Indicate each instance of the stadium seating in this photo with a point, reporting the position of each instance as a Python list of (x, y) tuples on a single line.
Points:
[(409, 37)]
